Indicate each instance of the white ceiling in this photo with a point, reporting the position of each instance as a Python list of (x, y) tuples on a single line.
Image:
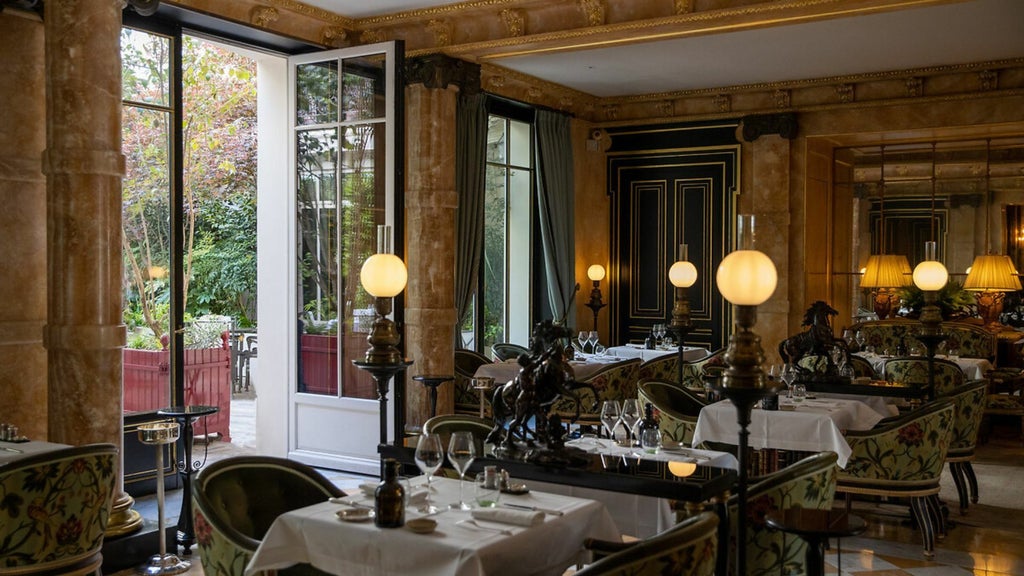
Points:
[(959, 33)]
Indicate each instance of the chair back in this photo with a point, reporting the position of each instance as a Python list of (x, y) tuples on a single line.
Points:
[(970, 340), (889, 334), (616, 381), (445, 424), (808, 483), (694, 372), (54, 509), (862, 368), (235, 501), (676, 408), (689, 549), (970, 400), (507, 351), (913, 370), (664, 368), (467, 400)]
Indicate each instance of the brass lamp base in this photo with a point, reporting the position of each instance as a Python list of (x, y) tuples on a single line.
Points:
[(884, 301), (990, 306)]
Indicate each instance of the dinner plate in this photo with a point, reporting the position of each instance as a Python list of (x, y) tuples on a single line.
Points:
[(356, 514)]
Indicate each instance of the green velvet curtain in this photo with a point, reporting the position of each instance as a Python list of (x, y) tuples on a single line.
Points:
[(470, 152), (555, 203)]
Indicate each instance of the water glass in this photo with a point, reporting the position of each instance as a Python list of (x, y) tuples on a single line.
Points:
[(610, 413), (650, 440), (629, 417), (461, 453), (582, 338), (488, 491), (429, 456), (799, 392)]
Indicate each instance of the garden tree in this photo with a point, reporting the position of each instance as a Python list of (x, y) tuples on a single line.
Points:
[(219, 167)]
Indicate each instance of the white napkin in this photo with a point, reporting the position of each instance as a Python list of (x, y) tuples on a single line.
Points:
[(505, 516), (418, 494)]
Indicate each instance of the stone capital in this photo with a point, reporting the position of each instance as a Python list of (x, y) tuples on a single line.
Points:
[(439, 72)]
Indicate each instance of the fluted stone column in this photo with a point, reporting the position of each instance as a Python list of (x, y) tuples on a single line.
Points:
[(23, 221), (434, 83), (84, 334)]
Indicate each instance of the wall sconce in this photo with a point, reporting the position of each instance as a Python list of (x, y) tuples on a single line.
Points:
[(682, 275), (746, 278), (930, 276), (596, 274)]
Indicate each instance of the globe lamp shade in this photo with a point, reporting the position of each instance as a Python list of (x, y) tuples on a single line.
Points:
[(747, 277), (682, 274), (930, 275), (596, 272), (383, 275)]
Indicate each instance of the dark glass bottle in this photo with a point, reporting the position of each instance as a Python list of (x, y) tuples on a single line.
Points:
[(389, 499), (648, 432)]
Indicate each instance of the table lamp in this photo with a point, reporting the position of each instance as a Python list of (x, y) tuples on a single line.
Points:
[(884, 273), (596, 274), (746, 278), (682, 275)]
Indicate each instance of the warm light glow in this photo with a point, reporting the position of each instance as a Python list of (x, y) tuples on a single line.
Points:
[(596, 272), (156, 272), (992, 273), (681, 469), (682, 274), (747, 277), (383, 275), (930, 275), (886, 271)]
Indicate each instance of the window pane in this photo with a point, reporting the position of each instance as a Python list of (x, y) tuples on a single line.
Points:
[(363, 88), (519, 144), (316, 93), (496, 139), (145, 67), (494, 263)]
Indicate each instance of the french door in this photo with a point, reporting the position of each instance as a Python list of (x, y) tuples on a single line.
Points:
[(346, 153)]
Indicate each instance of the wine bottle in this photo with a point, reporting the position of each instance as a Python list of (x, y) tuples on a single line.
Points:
[(389, 498)]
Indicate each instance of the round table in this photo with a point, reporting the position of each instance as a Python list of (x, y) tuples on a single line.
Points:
[(432, 381), (816, 527), (185, 416)]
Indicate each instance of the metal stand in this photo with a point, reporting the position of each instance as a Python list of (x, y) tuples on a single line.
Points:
[(185, 416), (160, 434), (432, 381), (382, 374)]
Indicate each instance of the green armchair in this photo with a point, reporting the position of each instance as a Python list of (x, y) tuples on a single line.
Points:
[(664, 368), (54, 509), (808, 483), (688, 548), (903, 458), (237, 499), (445, 424), (676, 408), (970, 409), (467, 400), (615, 381), (914, 371)]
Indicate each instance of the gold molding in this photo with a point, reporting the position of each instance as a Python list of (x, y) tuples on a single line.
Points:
[(515, 22), (313, 12)]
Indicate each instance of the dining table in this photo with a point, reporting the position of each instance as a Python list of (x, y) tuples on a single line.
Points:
[(974, 368), (583, 368), (13, 451), (535, 533), (812, 425), (690, 353)]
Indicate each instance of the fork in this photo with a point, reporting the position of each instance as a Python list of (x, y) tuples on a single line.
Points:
[(488, 528)]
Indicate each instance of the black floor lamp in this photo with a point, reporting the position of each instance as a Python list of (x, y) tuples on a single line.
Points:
[(596, 274), (746, 278), (930, 276), (682, 275)]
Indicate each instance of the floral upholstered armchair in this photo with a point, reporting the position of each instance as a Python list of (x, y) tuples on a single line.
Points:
[(687, 549), (970, 401), (237, 499), (676, 409), (54, 509), (694, 373), (664, 368), (903, 458), (914, 371), (613, 382), (808, 483)]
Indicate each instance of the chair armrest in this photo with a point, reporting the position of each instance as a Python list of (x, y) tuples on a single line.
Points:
[(602, 548)]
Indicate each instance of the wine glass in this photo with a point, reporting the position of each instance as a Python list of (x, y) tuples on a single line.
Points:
[(582, 337), (788, 376), (461, 453), (593, 338), (848, 337), (429, 456), (860, 338), (629, 417), (610, 413)]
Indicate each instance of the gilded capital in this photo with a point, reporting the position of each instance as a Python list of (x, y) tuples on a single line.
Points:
[(438, 71), (263, 16), (515, 22), (593, 12), (442, 31)]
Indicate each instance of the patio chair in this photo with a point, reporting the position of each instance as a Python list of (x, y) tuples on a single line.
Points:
[(903, 458), (54, 509), (688, 548), (235, 501)]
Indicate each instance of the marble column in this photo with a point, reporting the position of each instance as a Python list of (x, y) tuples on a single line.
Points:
[(23, 221), (434, 83), (84, 334)]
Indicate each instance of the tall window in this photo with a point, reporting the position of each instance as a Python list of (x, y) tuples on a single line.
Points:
[(506, 269)]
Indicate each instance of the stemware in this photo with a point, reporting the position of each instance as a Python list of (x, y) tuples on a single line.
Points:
[(610, 413), (429, 456), (849, 337), (860, 338), (582, 337), (629, 417), (461, 453), (788, 376), (593, 337)]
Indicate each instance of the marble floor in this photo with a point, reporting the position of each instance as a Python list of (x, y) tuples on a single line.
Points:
[(988, 541)]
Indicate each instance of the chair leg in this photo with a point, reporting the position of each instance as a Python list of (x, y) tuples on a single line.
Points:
[(972, 481), (939, 512), (956, 469), (919, 507)]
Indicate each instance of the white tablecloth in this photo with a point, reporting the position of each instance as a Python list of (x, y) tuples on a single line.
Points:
[(690, 353), (12, 451), (813, 426), (315, 535), (504, 371), (974, 368)]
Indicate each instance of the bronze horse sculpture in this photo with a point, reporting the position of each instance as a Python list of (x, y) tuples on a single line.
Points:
[(817, 340)]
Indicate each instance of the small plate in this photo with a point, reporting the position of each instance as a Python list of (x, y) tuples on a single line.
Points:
[(516, 488), (355, 514), (421, 525)]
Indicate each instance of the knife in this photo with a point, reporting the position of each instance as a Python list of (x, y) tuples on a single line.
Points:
[(533, 508), (15, 450)]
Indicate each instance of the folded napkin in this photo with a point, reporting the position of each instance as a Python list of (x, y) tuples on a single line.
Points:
[(417, 495), (517, 517)]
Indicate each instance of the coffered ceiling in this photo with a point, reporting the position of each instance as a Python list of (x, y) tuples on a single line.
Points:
[(618, 48)]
